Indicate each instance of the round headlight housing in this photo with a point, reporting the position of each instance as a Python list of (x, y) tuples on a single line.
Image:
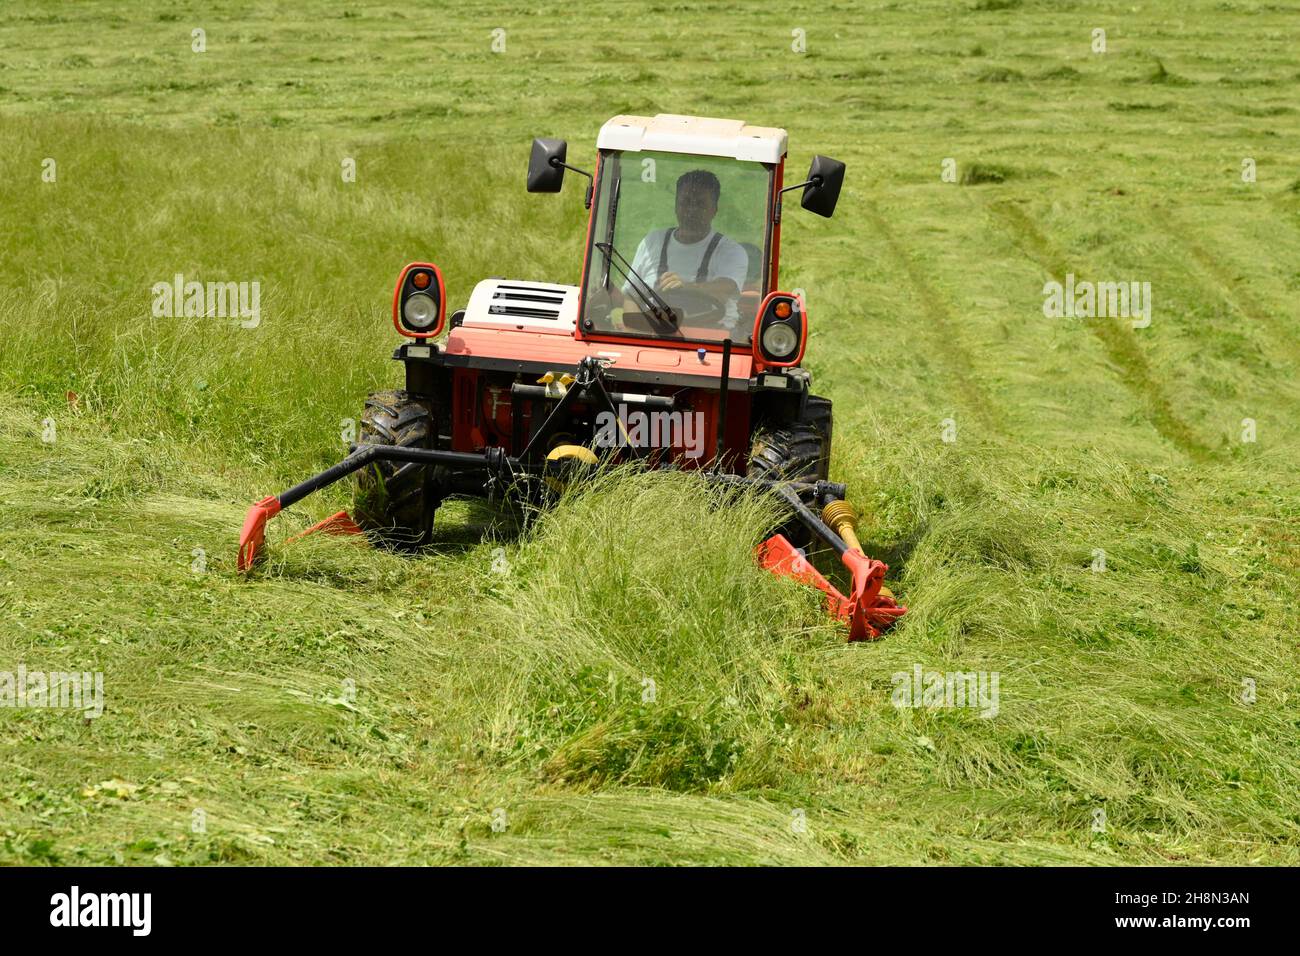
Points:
[(780, 340), (420, 311)]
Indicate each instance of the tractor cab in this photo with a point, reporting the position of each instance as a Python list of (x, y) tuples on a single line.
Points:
[(682, 245)]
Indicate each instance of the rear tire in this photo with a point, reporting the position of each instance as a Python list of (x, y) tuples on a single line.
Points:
[(395, 501), (796, 449)]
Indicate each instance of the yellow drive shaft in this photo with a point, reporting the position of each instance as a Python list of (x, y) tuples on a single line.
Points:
[(843, 519)]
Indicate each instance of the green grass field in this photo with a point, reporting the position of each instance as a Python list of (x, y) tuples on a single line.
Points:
[(349, 706)]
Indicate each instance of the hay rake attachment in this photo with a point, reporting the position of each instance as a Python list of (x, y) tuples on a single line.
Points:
[(868, 609)]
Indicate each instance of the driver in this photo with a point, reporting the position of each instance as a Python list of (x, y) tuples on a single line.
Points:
[(694, 256)]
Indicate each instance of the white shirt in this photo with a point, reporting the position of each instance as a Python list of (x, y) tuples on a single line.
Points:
[(729, 261)]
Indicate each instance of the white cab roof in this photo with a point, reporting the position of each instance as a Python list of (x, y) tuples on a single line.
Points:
[(670, 133)]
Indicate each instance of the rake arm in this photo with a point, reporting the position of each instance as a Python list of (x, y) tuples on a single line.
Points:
[(493, 462), (869, 607)]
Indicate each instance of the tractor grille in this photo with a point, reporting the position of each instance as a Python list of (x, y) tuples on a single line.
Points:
[(527, 302)]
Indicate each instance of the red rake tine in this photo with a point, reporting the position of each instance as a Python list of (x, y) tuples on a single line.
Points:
[(253, 535)]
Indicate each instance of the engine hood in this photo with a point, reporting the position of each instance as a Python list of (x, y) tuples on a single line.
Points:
[(523, 306)]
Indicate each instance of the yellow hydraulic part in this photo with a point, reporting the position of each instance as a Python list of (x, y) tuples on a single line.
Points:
[(560, 452), (556, 385), (843, 519), (580, 452)]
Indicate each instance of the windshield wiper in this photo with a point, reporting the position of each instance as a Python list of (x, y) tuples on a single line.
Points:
[(651, 299)]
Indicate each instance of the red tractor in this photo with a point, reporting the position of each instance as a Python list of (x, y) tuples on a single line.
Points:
[(678, 348)]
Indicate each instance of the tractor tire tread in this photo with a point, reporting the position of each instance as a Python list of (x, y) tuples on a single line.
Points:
[(392, 503), (797, 450)]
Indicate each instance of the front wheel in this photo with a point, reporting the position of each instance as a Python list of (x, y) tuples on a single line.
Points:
[(395, 500)]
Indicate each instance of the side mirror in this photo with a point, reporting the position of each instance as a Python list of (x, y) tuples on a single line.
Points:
[(545, 172), (821, 195)]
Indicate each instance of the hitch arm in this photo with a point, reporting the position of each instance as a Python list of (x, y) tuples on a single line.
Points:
[(589, 385)]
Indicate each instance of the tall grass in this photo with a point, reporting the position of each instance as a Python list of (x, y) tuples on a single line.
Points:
[(77, 301)]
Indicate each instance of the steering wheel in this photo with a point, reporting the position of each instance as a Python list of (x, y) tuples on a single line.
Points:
[(693, 306)]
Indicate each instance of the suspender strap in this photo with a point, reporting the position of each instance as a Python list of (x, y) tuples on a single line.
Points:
[(703, 274)]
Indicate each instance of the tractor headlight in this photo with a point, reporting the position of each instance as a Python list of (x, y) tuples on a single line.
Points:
[(420, 311), (780, 330), (779, 340), (420, 301)]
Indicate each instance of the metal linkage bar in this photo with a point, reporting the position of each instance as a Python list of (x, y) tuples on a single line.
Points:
[(585, 395), (491, 460), (789, 492)]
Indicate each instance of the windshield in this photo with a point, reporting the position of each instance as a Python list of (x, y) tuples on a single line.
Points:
[(678, 246)]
